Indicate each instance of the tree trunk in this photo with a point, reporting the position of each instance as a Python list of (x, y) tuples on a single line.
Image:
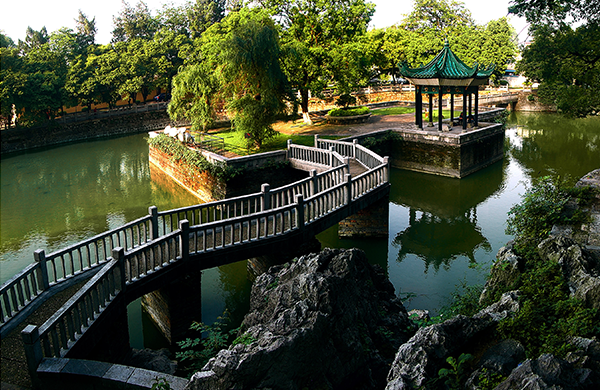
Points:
[(304, 105)]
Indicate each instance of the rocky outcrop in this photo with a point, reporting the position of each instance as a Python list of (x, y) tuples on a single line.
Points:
[(505, 272), (580, 269), (327, 320), (549, 372), (419, 360)]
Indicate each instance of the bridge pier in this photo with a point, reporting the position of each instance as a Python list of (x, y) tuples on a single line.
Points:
[(174, 307), (372, 221)]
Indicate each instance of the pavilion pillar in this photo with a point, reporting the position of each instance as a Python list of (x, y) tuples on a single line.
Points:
[(451, 108), (440, 110), (464, 111), (430, 109), (419, 108), (476, 121), (470, 105)]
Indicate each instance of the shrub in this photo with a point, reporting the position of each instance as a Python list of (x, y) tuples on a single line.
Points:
[(193, 159), (544, 205), (345, 100), (349, 111)]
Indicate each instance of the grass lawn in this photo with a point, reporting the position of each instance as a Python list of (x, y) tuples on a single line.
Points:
[(393, 111), (445, 115), (235, 141)]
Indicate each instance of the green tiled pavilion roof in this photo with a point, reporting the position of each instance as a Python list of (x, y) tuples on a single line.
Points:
[(446, 65)]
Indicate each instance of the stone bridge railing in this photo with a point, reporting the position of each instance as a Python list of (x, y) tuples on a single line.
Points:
[(132, 260)]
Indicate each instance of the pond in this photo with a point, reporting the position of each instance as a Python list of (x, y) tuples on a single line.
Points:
[(443, 233)]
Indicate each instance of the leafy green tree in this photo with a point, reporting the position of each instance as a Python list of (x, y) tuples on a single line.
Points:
[(33, 39), (134, 22), (86, 31), (12, 78), (319, 43), (565, 61), (240, 71), (556, 11), (420, 37), (439, 15)]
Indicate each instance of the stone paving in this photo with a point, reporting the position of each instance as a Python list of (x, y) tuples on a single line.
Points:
[(13, 364)]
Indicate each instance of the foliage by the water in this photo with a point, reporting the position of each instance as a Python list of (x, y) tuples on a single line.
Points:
[(381, 145), (180, 153), (548, 318), (544, 204), (352, 111), (195, 353)]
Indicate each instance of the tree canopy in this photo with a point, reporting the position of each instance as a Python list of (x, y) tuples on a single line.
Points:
[(309, 45), (320, 43), (564, 60)]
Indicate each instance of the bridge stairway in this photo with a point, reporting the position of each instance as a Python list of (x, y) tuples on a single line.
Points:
[(15, 375), (356, 168)]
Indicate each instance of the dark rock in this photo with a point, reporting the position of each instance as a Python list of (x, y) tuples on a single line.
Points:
[(150, 359), (587, 354), (504, 274), (581, 270), (329, 320), (549, 372), (419, 360), (500, 359)]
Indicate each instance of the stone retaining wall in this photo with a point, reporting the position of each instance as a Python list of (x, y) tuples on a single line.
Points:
[(20, 139)]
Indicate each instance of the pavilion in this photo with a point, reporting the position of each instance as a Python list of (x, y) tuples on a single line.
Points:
[(446, 74)]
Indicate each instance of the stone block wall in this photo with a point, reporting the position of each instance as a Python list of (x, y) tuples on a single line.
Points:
[(20, 139)]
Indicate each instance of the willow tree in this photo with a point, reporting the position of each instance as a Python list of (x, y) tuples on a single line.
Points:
[(240, 72)]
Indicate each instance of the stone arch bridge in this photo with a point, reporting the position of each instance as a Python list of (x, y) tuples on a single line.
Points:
[(125, 263)]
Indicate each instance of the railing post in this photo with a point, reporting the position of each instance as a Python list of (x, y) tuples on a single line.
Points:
[(118, 254), (347, 162), (314, 183), (348, 189), (153, 211), (317, 141), (184, 239), (40, 258), (354, 142), (300, 211), (266, 196), (331, 149), (33, 352), (386, 172)]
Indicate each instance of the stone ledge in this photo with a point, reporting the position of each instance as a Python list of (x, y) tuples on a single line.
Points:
[(56, 372)]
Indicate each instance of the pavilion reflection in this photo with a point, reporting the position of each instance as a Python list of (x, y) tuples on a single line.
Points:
[(443, 214), (439, 240)]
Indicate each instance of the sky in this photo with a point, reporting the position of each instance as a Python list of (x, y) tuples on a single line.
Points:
[(17, 15)]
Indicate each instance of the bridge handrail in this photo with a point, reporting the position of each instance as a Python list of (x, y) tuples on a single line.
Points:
[(351, 149), (59, 333), (64, 264), (20, 290)]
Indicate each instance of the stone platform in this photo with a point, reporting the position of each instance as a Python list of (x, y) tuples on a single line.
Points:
[(454, 152)]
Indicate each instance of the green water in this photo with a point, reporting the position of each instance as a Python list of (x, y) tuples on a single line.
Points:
[(443, 232)]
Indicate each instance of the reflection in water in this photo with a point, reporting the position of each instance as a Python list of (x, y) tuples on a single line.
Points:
[(443, 214), (56, 197), (551, 143), (439, 240)]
